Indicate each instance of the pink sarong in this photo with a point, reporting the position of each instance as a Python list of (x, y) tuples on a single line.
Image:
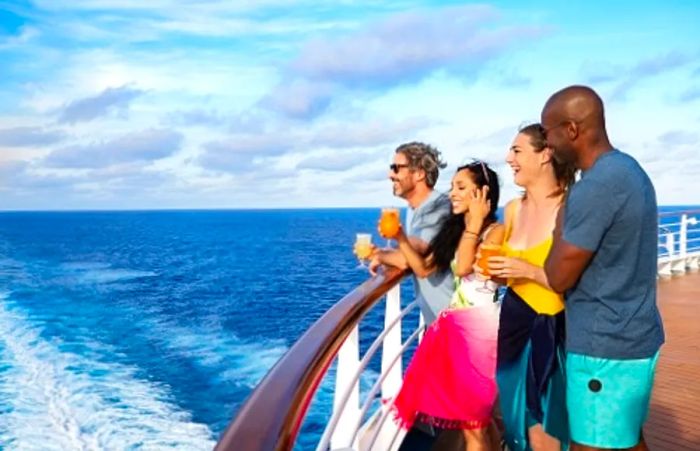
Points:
[(451, 380)]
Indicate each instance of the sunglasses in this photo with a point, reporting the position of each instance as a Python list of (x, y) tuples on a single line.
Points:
[(545, 131), (483, 169), (397, 167)]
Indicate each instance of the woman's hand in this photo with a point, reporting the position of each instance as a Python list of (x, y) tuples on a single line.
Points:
[(479, 206), (511, 268)]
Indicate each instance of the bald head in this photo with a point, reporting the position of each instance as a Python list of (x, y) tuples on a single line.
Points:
[(578, 104), (574, 123)]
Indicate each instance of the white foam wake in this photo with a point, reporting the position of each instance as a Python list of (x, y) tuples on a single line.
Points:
[(101, 273), (234, 360), (50, 399)]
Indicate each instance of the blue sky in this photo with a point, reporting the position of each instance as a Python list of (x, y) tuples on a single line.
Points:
[(137, 104)]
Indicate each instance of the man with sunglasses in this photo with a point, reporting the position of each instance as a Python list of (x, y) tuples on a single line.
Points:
[(604, 258), (413, 174)]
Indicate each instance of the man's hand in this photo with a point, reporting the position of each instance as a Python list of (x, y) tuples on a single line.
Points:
[(386, 257), (374, 263)]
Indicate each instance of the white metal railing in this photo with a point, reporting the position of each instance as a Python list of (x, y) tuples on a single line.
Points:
[(679, 243), (346, 428)]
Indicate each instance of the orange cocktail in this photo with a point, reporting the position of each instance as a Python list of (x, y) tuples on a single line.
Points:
[(389, 223), (487, 251)]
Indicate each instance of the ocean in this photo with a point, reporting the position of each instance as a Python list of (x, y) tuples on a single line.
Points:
[(132, 330)]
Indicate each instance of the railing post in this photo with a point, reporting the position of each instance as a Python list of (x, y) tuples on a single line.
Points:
[(691, 258), (666, 263), (392, 345), (677, 260), (421, 326), (347, 368), (678, 263), (391, 348), (684, 236)]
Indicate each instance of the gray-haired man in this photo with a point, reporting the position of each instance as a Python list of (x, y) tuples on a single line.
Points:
[(413, 173)]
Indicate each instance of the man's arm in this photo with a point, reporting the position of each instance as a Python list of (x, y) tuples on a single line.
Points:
[(419, 237), (394, 257), (390, 257), (420, 264), (565, 262)]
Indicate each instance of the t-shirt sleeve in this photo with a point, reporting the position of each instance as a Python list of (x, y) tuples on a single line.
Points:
[(591, 208), (426, 231), (428, 224)]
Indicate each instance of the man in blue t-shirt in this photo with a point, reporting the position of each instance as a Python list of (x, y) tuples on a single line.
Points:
[(413, 173), (604, 260)]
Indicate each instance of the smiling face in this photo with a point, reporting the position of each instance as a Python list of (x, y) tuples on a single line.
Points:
[(525, 161), (461, 190), (556, 133), (403, 180)]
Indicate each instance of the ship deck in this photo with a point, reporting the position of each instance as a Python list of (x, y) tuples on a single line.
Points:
[(674, 420)]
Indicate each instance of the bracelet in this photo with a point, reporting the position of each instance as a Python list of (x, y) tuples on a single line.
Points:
[(469, 233)]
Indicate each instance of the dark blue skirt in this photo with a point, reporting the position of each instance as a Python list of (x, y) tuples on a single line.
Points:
[(530, 372)]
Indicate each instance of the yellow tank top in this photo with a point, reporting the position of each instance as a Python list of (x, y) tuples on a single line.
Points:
[(541, 299)]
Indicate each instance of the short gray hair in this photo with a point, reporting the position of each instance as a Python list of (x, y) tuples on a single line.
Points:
[(423, 156)]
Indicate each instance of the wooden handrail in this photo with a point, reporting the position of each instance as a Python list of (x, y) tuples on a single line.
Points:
[(272, 415)]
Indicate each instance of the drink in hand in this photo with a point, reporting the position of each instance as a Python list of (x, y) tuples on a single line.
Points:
[(389, 223), (487, 251), (363, 247)]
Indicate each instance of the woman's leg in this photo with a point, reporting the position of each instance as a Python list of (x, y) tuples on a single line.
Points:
[(478, 439), (541, 441), (494, 436)]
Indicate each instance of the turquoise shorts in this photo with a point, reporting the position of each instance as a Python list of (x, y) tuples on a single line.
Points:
[(608, 400)]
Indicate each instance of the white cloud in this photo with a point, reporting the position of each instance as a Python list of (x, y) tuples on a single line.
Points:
[(26, 35), (690, 94), (368, 133), (409, 45), (195, 117), (626, 78), (299, 98), (143, 146), (29, 136), (239, 153), (335, 161), (679, 138), (108, 101), (301, 103)]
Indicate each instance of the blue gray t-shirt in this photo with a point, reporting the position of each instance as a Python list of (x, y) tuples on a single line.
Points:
[(611, 312), (435, 291)]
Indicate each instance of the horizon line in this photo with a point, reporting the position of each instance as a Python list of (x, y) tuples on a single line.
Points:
[(212, 209)]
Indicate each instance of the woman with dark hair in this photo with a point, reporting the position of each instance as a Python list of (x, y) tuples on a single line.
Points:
[(450, 382), (531, 355)]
